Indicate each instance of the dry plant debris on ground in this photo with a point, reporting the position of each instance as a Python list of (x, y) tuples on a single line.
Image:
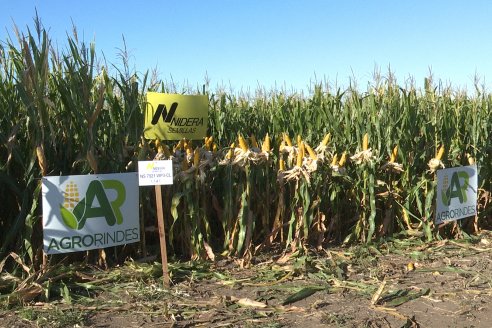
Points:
[(396, 283)]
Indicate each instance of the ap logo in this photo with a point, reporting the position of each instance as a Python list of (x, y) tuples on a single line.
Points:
[(95, 204), (456, 188)]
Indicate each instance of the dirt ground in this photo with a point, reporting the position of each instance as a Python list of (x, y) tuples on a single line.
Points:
[(398, 283)]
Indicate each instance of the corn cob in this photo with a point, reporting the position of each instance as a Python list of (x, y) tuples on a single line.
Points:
[(179, 146), (265, 147), (334, 161), (184, 164), (281, 165), (394, 153), (196, 157), (326, 140), (300, 155), (281, 146), (242, 143), (343, 159), (230, 153), (440, 153), (365, 142), (287, 140), (253, 142), (164, 149), (311, 152)]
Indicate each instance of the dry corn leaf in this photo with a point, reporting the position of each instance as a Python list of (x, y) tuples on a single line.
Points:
[(286, 258), (27, 293), (251, 303), (19, 261), (377, 294), (210, 252), (302, 294)]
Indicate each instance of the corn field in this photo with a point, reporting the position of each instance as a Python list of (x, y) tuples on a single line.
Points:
[(277, 169)]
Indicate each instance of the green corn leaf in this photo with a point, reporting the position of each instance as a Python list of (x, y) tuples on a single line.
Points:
[(402, 296), (174, 205), (243, 220), (302, 294)]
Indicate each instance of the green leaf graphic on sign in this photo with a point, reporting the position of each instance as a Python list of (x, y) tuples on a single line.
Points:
[(68, 218), (445, 197), (79, 212)]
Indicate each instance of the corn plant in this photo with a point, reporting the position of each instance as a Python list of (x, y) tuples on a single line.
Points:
[(373, 174)]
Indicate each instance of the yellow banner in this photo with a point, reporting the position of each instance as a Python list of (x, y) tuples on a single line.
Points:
[(173, 116)]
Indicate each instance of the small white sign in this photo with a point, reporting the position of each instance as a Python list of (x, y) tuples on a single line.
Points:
[(151, 173), (83, 212), (456, 193)]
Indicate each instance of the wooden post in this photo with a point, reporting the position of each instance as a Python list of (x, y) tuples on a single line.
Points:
[(162, 234)]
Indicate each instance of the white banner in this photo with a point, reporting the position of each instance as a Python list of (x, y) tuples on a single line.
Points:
[(151, 173), (456, 193), (82, 212)]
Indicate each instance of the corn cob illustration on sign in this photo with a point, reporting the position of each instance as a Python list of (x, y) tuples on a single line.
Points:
[(83, 212), (456, 193), (174, 117)]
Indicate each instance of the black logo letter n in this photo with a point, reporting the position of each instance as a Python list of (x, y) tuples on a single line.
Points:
[(161, 110)]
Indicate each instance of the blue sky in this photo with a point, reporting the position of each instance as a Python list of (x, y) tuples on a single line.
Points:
[(245, 44)]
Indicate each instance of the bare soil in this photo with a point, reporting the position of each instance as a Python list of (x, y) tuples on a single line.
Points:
[(394, 284)]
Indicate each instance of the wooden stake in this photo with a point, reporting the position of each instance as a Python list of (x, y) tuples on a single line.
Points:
[(44, 266), (162, 235)]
